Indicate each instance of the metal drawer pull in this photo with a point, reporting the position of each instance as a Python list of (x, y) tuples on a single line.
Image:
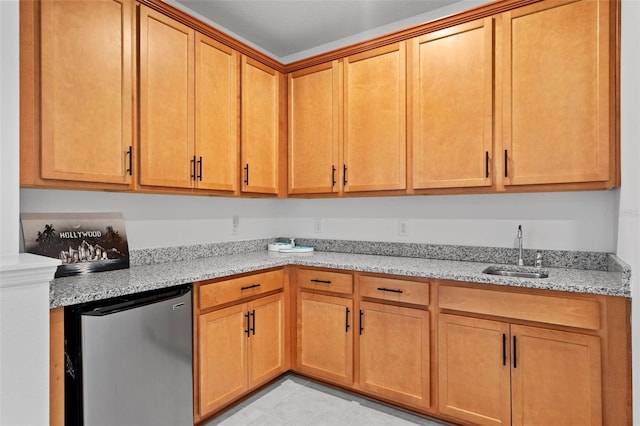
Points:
[(390, 290), (321, 281), (249, 286)]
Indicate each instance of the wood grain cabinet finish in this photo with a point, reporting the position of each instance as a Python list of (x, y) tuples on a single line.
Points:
[(86, 77), (260, 130), (166, 101), (217, 128), (189, 86), (452, 95), (314, 129), (496, 373), (240, 348), (375, 120), (325, 337), (394, 353), (558, 93)]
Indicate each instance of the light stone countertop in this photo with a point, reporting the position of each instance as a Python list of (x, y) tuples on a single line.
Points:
[(85, 288)]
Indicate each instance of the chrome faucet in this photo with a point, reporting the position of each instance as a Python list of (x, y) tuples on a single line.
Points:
[(520, 260)]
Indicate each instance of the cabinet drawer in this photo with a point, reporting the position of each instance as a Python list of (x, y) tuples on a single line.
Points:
[(582, 313), (335, 282), (414, 292), (238, 288)]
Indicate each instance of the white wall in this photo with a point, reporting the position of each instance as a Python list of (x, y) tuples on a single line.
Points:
[(562, 221), (629, 208), (166, 220), (9, 127)]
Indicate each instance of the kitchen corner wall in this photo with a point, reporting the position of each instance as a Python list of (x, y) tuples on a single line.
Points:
[(584, 221), (628, 214)]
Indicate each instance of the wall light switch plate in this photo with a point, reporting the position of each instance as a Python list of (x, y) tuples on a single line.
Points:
[(403, 228), (235, 224), (317, 225)]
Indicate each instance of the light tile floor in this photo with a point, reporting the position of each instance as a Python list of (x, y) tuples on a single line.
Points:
[(296, 401)]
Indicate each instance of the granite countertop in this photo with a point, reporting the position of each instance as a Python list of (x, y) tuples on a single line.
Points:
[(85, 288)]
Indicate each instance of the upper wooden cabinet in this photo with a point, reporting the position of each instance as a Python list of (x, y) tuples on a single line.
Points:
[(166, 101), (85, 75), (374, 120), (261, 134), (188, 107), (314, 160), (216, 115), (558, 87), (452, 88)]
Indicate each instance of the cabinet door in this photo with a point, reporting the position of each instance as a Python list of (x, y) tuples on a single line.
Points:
[(453, 106), (166, 101), (557, 125), (313, 130), (556, 378), (260, 145), (86, 79), (266, 342), (374, 120), (217, 120), (223, 356), (394, 353), (325, 337), (473, 370)]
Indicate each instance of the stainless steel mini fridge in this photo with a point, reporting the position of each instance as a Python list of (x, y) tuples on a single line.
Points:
[(131, 361)]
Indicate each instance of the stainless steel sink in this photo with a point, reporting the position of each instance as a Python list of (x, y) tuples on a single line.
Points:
[(513, 272)]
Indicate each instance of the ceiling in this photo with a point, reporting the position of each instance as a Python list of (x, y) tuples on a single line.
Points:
[(288, 28)]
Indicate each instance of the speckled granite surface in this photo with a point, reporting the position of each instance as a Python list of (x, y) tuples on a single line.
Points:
[(85, 288), (550, 258)]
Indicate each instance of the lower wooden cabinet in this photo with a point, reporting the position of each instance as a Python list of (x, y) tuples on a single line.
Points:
[(495, 373), (325, 337), (240, 347), (394, 353)]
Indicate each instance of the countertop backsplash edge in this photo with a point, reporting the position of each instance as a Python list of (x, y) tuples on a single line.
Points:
[(596, 261)]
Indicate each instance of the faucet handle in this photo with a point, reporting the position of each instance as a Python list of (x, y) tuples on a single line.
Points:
[(538, 259)]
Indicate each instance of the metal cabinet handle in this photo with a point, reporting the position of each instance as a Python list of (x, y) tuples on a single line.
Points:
[(344, 174), (249, 286), (515, 361), (200, 169), (246, 174), (320, 281), (390, 290), (486, 164), (193, 168), (346, 321), (333, 176), (129, 153), (253, 328), (361, 316), (506, 161), (504, 349), (248, 329)]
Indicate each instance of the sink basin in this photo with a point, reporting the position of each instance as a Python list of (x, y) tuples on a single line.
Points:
[(513, 272)]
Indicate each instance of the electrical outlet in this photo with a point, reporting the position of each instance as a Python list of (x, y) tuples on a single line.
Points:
[(403, 228), (317, 225), (235, 224)]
